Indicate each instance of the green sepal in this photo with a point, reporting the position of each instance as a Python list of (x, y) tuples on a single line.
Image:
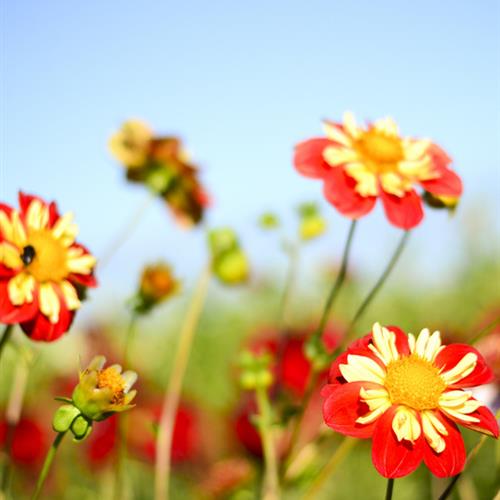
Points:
[(81, 428), (64, 417)]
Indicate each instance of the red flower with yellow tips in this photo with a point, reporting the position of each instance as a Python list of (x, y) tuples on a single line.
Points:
[(360, 164), (43, 270), (408, 394)]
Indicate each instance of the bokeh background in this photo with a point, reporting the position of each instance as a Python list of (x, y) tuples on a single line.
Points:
[(241, 83)]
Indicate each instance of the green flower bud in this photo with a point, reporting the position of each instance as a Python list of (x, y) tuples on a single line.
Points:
[(255, 370), (312, 227), (436, 201), (269, 221), (232, 267), (64, 417), (222, 240)]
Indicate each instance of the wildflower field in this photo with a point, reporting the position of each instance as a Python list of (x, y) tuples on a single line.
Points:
[(275, 350)]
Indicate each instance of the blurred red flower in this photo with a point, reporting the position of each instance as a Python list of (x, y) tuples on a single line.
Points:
[(360, 164), (28, 444), (43, 271)]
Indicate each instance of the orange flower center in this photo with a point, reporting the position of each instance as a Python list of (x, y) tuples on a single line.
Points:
[(45, 257), (112, 379), (381, 152), (414, 382)]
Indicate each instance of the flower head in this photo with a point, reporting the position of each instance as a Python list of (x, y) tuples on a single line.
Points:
[(408, 394), (43, 270), (360, 164), (162, 164), (103, 391)]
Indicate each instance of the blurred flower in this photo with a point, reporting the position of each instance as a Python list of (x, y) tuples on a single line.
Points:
[(407, 394), (269, 220), (157, 284), (227, 475), (162, 164), (131, 144), (359, 164), (229, 262), (43, 271), (312, 224), (28, 442)]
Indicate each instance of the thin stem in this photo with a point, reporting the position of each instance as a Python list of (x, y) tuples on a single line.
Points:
[(46, 465), (126, 231), (380, 282), (318, 334), (390, 487), (484, 331), (293, 252), (270, 486), (338, 282), (7, 333), (471, 455), (123, 418), (173, 392), (337, 457)]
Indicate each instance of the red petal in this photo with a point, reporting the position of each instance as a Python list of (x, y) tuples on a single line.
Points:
[(439, 156), (393, 458), (25, 201), (448, 183), (308, 158), (487, 424), (342, 407), (451, 460), (451, 355), (339, 190), (405, 212), (40, 328), (401, 340), (11, 314)]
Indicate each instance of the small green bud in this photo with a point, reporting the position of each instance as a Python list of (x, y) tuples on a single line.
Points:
[(269, 220), (312, 227), (64, 417), (232, 267)]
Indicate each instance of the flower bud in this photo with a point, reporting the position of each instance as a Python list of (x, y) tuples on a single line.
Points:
[(312, 224), (130, 145), (255, 370), (103, 391), (269, 220), (436, 201)]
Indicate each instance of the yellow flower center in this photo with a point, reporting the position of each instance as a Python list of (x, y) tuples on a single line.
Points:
[(381, 152), (45, 257), (112, 379), (414, 382)]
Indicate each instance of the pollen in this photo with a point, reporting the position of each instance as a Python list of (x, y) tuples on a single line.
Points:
[(47, 257), (414, 382), (112, 379), (382, 152)]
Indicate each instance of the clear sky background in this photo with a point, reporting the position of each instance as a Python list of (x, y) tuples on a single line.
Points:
[(241, 82)]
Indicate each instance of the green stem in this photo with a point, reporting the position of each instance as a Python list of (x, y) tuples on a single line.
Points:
[(317, 336), (380, 282), (129, 340), (270, 487), (293, 252), (173, 392), (46, 465), (7, 333), (338, 282), (340, 453), (390, 487), (484, 331)]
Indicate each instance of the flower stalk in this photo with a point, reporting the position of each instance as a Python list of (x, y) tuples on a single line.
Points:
[(389, 490), (7, 333), (173, 392), (47, 464)]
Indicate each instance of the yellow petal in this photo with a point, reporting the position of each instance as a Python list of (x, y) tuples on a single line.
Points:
[(405, 424), (463, 368), (361, 368), (387, 125), (49, 302), (335, 156), (9, 256), (37, 216), (70, 295), (433, 430), (335, 134), (384, 344), (80, 263), (20, 289), (350, 125)]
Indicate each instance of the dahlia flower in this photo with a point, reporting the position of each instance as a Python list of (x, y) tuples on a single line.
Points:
[(360, 164), (407, 394), (43, 271)]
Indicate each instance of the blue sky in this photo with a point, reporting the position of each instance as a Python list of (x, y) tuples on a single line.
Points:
[(241, 82)]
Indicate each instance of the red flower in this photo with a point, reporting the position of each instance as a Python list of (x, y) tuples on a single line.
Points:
[(28, 442), (43, 271), (407, 394), (358, 165)]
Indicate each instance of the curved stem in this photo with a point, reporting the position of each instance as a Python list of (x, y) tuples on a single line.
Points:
[(484, 331), (46, 465), (338, 282), (126, 231), (7, 333), (390, 488), (318, 334), (173, 392), (270, 486), (340, 453), (380, 282)]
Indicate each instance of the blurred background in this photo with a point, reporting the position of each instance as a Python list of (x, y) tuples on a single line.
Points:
[(241, 84)]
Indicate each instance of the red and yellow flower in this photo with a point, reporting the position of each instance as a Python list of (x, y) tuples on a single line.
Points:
[(43, 270), (408, 394), (360, 164)]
